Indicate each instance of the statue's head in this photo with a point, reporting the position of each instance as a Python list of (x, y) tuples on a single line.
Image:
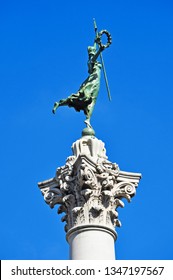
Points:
[(91, 50)]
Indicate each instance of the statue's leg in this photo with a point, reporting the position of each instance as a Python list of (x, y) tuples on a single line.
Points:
[(87, 121), (56, 105), (89, 110), (62, 102)]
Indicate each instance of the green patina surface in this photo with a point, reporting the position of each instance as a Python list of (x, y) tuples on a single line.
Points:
[(85, 98)]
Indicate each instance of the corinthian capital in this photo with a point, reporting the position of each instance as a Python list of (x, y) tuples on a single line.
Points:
[(89, 188)]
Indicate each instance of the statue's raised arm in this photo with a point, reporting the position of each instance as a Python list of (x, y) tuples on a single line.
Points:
[(86, 96)]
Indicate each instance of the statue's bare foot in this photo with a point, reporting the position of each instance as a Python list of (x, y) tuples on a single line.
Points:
[(87, 121), (88, 131), (55, 107)]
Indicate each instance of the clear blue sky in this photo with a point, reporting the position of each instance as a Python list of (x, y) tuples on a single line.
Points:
[(43, 57)]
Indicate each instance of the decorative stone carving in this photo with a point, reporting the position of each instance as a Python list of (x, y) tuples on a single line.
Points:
[(89, 187)]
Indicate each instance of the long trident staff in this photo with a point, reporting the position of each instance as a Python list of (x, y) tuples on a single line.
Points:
[(98, 40)]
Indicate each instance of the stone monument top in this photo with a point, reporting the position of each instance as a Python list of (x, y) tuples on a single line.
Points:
[(89, 188)]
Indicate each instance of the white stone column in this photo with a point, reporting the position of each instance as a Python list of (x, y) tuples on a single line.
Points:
[(89, 189), (91, 243)]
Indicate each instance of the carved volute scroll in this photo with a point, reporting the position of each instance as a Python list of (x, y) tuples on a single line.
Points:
[(89, 188)]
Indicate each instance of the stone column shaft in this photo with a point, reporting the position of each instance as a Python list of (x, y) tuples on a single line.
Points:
[(91, 243)]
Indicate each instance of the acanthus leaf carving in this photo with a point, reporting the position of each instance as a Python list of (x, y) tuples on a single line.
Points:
[(89, 188), (125, 190)]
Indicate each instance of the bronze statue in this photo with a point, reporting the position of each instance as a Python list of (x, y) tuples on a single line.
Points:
[(86, 96)]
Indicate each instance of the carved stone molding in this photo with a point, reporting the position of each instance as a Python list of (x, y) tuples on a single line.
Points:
[(89, 188)]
